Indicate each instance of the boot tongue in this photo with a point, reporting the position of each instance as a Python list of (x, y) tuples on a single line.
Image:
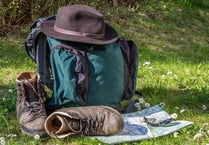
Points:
[(75, 125), (31, 90), (68, 125)]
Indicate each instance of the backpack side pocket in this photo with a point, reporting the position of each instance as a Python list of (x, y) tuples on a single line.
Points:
[(130, 55), (70, 72)]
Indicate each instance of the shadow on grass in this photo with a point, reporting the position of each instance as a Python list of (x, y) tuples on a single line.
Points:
[(192, 98)]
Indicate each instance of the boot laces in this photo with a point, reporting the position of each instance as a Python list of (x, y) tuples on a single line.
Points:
[(34, 90), (36, 110), (21, 89), (72, 127), (94, 125), (90, 125)]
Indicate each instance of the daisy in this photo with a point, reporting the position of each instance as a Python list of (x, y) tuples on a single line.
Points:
[(146, 63), (147, 105), (2, 141), (175, 134), (182, 110), (141, 100), (36, 137), (174, 115)]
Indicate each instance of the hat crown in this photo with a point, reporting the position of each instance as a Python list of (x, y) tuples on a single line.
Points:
[(80, 23), (80, 18)]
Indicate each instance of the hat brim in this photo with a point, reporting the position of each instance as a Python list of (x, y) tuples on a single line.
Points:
[(111, 35)]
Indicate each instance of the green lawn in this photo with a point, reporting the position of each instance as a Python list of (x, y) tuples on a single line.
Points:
[(173, 42)]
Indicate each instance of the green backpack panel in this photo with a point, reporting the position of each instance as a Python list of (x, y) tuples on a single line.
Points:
[(92, 74)]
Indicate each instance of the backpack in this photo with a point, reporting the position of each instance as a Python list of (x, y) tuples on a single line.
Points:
[(83, 74)]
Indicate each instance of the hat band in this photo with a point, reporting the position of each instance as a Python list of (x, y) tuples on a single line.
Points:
[(74, 33)]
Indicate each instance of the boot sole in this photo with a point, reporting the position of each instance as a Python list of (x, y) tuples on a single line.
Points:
[(32, 132)]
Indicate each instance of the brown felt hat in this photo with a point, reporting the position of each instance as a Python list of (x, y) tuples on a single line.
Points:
[(80, 23)]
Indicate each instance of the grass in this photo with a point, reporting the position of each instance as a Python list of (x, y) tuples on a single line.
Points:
[(173, 37)]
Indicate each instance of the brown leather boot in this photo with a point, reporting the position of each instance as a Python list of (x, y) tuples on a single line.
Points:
[(30, 107), (89, 120)]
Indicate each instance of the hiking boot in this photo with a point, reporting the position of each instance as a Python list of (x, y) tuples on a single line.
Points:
[(89, 120), (30, 107)]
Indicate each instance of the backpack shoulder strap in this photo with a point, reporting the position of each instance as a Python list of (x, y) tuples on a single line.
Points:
[(31, 41), (37, 49), (41, 56)]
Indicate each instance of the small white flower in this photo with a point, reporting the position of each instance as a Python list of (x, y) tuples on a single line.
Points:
[(169, 73), (177, 108), (163, 76), (201, 130), (174, 115), (197, 136), (146, 63), (3, 99), (10, 90), (150, 68), (147, 105), (36, 137), (176, 77), (204, 107), (162, 104), (138, 106), (2, 141), (204, 124), (182, 110), (11, 135), (208, 132), (141, 100), (175, 134)]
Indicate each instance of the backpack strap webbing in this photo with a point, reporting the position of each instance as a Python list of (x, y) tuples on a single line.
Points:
[(42, 61)]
